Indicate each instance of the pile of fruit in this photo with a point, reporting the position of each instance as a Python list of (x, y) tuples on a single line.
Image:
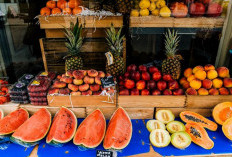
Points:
[(147, 81), (207, 80), (4, 89), (61, 7)]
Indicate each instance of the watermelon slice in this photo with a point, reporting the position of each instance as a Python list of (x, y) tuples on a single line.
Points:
[(119, 131), (34, 129), (63, 127), (1, 114), (91, 131)]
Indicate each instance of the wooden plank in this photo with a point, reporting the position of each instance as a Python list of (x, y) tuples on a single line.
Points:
[(151, 101), (9, 107), (80, 101), (176, 111), (43, 54), (134, 113), (209, 101), (79, 112)]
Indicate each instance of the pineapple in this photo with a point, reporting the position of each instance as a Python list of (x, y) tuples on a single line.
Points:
[(115, 42), (73, 60), (171, 65)]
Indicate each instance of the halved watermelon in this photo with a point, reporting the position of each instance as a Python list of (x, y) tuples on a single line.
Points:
[(34, 129), (1, 114), (63, 127), (91, 131), (119, 131)]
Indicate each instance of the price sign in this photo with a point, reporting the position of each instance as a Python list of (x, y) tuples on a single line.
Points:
[(104, 153), (107, 82)]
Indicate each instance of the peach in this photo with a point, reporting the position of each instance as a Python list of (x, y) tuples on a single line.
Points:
[(64, 91), (203, 91), (59, 77), (196, 84), (98, 81), (78, 74), (78, 81), (88, 80), (95, 87), (84, 72), (213, 91), (227, 82), (69, 74), (66, 79), (92, 73), (207, 84), (84, 87), (223, 72), (186, 85), (209, 67), (73, 87), (191, 91), (53, 91), (101, 74), (212, 74), (58, 84), (89, 92), (188, 72), (97, 93), (217, 83), (183, 80), (63, 75), (190, 78), (75, 93), (200, 74), (223, 91), (196, 68)]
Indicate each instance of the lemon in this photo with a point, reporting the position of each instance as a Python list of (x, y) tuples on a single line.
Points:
[(144, 12), (144, 4), (165, 12), (155, 12), (160, 3), (152, 6), (134, 12)]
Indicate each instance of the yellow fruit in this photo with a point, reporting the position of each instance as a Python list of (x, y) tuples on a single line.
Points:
[(144, 12), (155, 12), (165, 12), (153, 0), (152, 6), (144, 4), (134, 12), (160, 3)]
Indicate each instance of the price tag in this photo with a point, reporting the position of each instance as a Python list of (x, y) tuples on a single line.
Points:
[(107, 82), (104, 153)]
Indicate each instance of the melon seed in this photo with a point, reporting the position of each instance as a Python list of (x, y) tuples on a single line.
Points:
[(180, 139), (156, 125), (165, 116), (175, 127)]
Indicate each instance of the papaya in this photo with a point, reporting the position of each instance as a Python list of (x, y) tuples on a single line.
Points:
[(199, 135), (192, 117), (227, 128), (222, 112)]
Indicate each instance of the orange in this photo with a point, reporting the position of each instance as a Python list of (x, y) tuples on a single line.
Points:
[(73, 3), (45, 11), (56, 11), (67, 11), (77, 10), (51, 4), (62, 4)]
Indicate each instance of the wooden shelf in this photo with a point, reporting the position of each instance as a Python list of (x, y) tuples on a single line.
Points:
[(153, 21)]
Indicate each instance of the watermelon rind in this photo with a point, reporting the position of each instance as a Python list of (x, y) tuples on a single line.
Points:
[(4, 138), (58, 143), (115, 148), (1, 114)]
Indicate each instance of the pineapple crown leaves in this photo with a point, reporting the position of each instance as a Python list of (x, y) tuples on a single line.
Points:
[(171, 43), (74, 38), (115, 40)]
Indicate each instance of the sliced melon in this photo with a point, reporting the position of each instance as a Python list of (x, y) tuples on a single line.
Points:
[(155, 124), (222, 112), (119, 131), (175, 126), (63, 127), (91, 131), (181, 140), (160, 138), (227, 128), (165, 116), (1, 114), (34, 129)]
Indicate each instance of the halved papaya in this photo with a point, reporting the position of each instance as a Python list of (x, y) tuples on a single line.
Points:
[(199, 135), (227, 128), (222, 112), (119, 131), (1, 114), (63, 127), (192, 117), (91, 131), (34, 129)]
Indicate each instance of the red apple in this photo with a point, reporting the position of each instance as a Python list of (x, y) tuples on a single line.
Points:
[(206, 2), (124, 92), (134, 91), (131, 67), (167, 92), (142, 68), (135, 75), (126, 75), (156, 92), (146, 76), (153, 69), (161, 85), (151, 84), (214, 9), (129, 84), (167, 77), (173, 85), (197, 9), (141, 85), (156, 76), (178, 92), (145, 92)]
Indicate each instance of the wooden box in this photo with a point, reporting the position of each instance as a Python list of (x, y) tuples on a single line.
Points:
[(81, 101)]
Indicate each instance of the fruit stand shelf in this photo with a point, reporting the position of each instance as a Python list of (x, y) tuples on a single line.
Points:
[(153, 21)]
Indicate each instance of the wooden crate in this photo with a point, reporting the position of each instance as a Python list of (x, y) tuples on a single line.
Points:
[(80, 101), (151, 101), (134, 113), (209, 101)]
